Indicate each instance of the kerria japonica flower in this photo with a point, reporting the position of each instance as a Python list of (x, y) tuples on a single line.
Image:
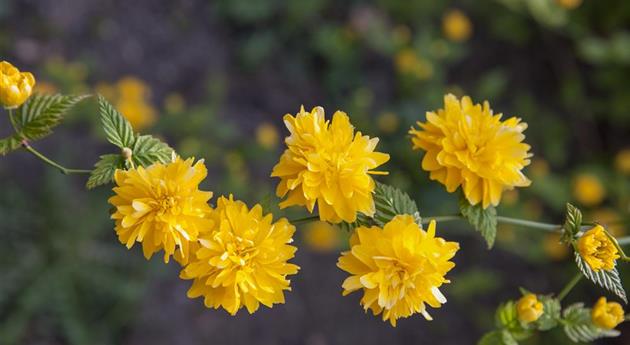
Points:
[(597, 249), (399, 268), (467, 146), (15, 86), (329, 165)]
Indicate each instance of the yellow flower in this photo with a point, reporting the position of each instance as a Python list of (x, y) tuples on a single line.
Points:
[(569, 4), (528, 308), (597, 249), (267, 136), (456, 26), (408, 62), (329, 165), (607, 315), (15, 86), (466, 145), (399, 268), (161, 206), (588, 190), (321, 236), (622, 161), (242, 261)]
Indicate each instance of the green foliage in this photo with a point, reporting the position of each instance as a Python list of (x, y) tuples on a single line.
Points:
[(36, 118), (579, 326), (104, 169), (552, 309), (499, 337), (572, 223), (117, 129), (148, 150), (483, 220), (609, 280)]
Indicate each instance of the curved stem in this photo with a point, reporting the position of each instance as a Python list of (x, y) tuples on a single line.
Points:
[(501, 219), (29, 148), (570, 285), (304, 220)]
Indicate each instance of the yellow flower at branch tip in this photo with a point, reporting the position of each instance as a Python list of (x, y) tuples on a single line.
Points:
[(267, 136), (622, 161), (161, 206), (588, 190), (597, 249), (329, 165), (242, 261), (15, 86), (321, 236), (607, 315), (569, 4), (467, 145), (529, 308), (456, 26), (400, 268)]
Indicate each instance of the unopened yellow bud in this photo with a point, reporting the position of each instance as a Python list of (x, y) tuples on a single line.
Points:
[(529, 308)]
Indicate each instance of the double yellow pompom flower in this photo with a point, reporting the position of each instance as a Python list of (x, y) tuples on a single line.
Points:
[(597, 249), (15, 86)]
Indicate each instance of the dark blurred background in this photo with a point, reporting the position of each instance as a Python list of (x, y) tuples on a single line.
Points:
[(214, 78)]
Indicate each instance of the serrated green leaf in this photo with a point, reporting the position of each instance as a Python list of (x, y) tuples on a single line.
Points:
[(483, 220), (572, 223), (506, 315), (148, 150), (579, 327), (609, 280), (551, 313), (117, 129), (390, 201), (36, 118), (499, 337), (104, 169), (362, 220)]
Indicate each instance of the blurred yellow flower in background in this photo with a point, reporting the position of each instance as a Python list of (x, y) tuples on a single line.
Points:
[(588, 189), (161, 206), (456, 26), (400, 268), (329, 165), (529, 308), (607, 315), (15, 86), (539, 168), (554, 249), (569, 4), (610, 220), (408, 62), (597, 249), (622, 161), (46, 88), (467, 145), (174, 103), (267, 136), (388, 122), (321, 236), (242, 261), (131, 96)]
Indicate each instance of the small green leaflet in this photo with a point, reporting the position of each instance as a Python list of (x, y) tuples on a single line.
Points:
[(609, 280), (579, 327), (551, 315), (147, 150), (37, 117), (572, 223), (483, 220), (498, 337), (117, 129), (104, 169)]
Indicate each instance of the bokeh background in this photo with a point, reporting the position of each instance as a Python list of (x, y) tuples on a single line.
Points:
[(214, 78)]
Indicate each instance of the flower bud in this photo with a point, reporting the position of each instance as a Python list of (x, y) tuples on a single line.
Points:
[(528, 308)]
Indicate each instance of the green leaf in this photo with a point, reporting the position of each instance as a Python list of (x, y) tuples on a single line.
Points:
[(572, 223), (117, 128), (483, 220), (579, 326), (551, 313), (36, 118), (506, 317), (104, 169), (390, 201), (148, 150), (362, 220), (609, 280)]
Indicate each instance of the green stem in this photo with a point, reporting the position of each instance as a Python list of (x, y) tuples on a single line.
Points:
[(304, 220), (570, 285), (64, 170), (500, 219), (29, 148), (617, 245)]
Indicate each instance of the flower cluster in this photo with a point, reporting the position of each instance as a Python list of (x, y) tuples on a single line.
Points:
[(329, 165), (597, 249), (15, 86), (400, 268), (466, 145)]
